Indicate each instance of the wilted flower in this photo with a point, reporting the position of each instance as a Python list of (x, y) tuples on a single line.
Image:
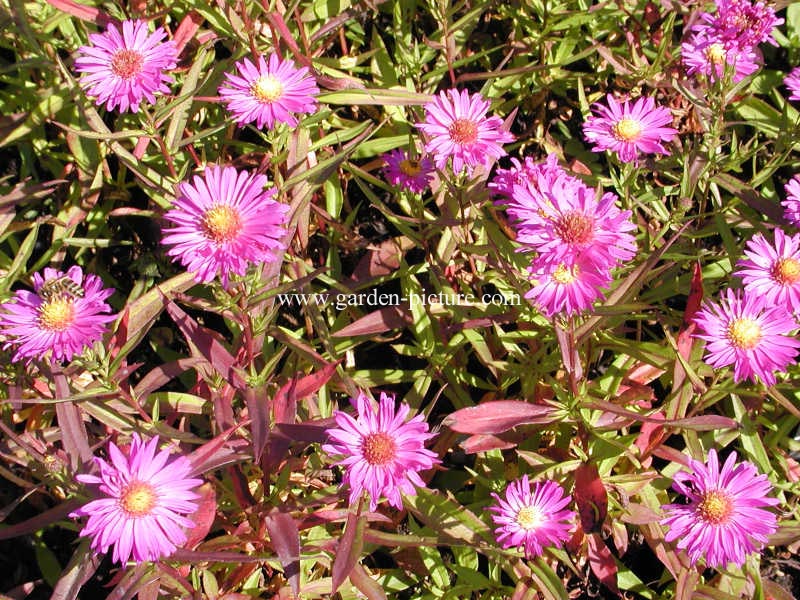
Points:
[(772, 271), (143, 499), (629, 129), (268, 93), (413, 174), (746, 332), (120, 69), (725, 519), (532, 519), (64, 314), (381, 452), (456, 126), (225, 220)]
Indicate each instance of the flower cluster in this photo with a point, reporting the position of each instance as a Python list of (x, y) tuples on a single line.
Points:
[(725, 519), (578, 237), (728, 39)]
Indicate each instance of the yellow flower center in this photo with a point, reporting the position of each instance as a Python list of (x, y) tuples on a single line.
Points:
[(378, 448), (627, 130), (57, 314), (575, 228), (463, 131), (565, 275), (138, 499), (222, 223), (715, 507), (410, 167), (529, 517), (716, 54), (126, 64), (786, 270), (267, 89), (744, 333)]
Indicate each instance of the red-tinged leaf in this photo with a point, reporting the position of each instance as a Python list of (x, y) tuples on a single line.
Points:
[(378, 321), (120, 334), (383, 260), (499, 416), (701, 423), (40, 521), (255, 398), (686, 584), (671, 455), (485, 442), (73, 433), (569, 353), (590, 497), (163, 374), (306, 432), (298, 389), (81, 567), (602, 562), (285, 539), (639, 514), (349, 550), (366, 584), (644, 373), (695, 299), (187, 29), (203, 517), (208, 344), (81, 11), (127, 582), (650, 435), (214, 453), (526, 590)]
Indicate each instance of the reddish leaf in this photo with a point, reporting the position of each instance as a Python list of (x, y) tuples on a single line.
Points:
[(73, 433), (298, 389), (348, 550), (639, 514), (383, 260), (214, 453), (378, 321), (772, 591), (701, 423), (186, 30), (207, 343), (590, 497), (81, 567), (285, 538), (498, 416), (203, 517), (163, 374), (255, 399), (40, 521), (484, 442), (366, 584), (190, 556), (83, 12), (602, 562), (695, 299), (686, 585), (316, 431)]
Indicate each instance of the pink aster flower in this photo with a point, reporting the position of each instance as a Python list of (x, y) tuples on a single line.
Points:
[(532, 519), (772, 271), (530, 173), (64, 314), (268, 93), (565, 222), (629, 129), (413, 174), (225, 220), (792, 82), (725, 519), (744, 331), (791, 205), (120, 69), (711, 55), (381, 452), (744, 22), (143, 499), (566, 289), (456, 126)]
